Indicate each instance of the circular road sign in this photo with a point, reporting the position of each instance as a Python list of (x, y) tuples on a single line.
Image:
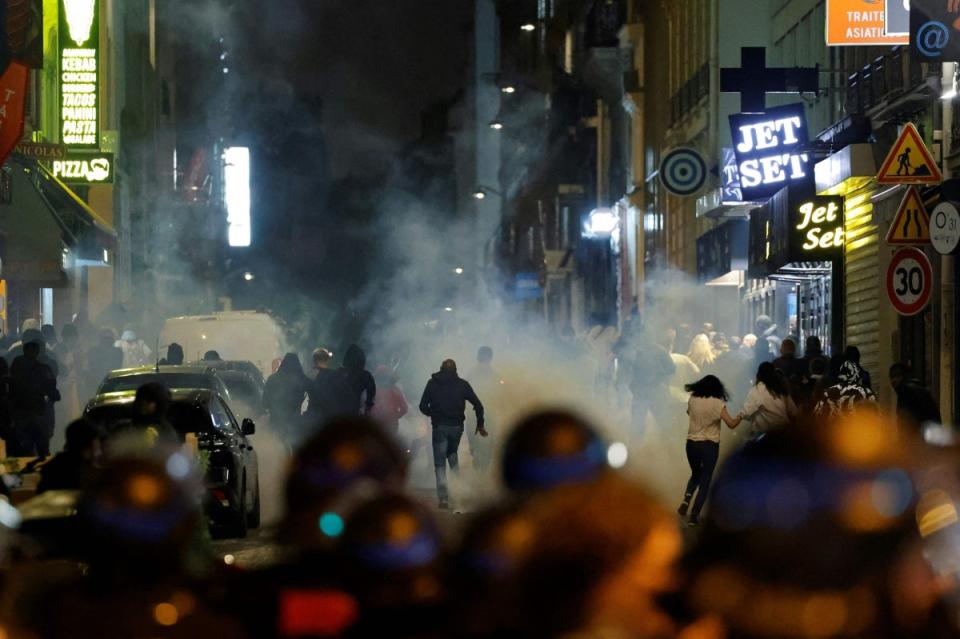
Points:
[(683, 171), (909, 281), (945, 228)]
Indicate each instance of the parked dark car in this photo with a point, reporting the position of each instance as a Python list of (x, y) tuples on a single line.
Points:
[(232, 495), (173, 377), (246, 391)]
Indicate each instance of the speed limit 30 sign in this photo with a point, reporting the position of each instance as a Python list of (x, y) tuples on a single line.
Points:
[(909, 281)]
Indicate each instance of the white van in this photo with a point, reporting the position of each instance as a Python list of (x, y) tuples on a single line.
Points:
[(235, 335)]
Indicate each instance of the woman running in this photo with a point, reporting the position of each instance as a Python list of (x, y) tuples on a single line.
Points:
[(706, 407)]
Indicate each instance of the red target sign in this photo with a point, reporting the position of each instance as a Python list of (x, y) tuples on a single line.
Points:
[(909, 281)]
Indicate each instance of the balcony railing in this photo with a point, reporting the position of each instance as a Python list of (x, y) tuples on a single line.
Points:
[(882, 82)]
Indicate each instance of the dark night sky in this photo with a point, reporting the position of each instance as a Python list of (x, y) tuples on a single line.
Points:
[(376, 64)]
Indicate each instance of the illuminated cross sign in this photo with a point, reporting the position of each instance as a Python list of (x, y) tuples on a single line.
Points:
[(79, 73), (769, 150), (817, 232)]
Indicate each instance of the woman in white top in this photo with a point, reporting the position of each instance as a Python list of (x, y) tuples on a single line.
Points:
[(768, 405), (707, 407)]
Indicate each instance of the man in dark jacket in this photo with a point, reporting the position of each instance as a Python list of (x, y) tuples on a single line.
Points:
[(353, 387), (33, 389), (915, 404), (444, 402)]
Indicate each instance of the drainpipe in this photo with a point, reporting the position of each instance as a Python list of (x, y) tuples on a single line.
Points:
[(947, 285)]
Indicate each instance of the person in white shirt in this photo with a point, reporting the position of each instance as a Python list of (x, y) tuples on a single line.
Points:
[(135, 350), (707, 407), (768, 405)]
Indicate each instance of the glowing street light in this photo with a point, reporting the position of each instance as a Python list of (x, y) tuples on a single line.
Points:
[(528, 27), (496, 125), (482, 192), (601, 223), (248, 276), (458, 270), (448, 309), (508, 89)]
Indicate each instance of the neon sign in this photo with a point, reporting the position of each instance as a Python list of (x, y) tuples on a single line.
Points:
[(768, 147), (818, 228), (84, 168), (79, 73)]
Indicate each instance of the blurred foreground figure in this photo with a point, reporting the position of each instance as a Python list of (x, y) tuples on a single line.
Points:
[(349, 458), (78, 464), (604, 553), (444, 401), (813, 533), (552, 448), (138, 522), (390, 560)]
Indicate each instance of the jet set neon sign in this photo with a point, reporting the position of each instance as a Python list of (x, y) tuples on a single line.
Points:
[(768, 147)]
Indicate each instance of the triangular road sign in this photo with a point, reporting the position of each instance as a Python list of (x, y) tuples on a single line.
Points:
[(909, 161), (911, 225)]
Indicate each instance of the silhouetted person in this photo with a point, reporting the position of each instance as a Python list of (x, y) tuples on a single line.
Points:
[(174, 356), (444, 401), (284, 394), (33, 387), (212, 356), (354, 389), (852, 354), (320, 391), (915, 405), (148, 426), (75, 467)]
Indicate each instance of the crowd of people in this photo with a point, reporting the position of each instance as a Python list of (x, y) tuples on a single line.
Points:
[(806, 535), (830, 520)]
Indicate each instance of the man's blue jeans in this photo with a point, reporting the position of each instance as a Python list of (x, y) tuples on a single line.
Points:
[(446, 442)]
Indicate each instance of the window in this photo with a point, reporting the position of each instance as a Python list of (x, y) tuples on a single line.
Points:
[(221, 418)]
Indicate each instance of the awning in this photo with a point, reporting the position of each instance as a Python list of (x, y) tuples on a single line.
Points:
[(43, 218), (84, 230)]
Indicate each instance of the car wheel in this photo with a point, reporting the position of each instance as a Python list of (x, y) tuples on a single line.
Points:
[(253, 519), (238, 524)]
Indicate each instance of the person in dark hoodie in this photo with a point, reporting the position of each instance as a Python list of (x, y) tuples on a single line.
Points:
[(354, 389), (174, 356), (444, 402), (283, 397)]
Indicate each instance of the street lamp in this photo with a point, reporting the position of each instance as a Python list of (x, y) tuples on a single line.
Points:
[(248, 276), (496, 125), (528, 27), (482, 191), (458, 270), (508, 89), (601, 223)]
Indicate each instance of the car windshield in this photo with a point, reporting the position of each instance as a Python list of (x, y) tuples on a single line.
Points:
[(185, 417), (241, 387), (188, 381)]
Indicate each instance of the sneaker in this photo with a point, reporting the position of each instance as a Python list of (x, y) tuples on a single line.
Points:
[(694, 521), (684, 507)]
